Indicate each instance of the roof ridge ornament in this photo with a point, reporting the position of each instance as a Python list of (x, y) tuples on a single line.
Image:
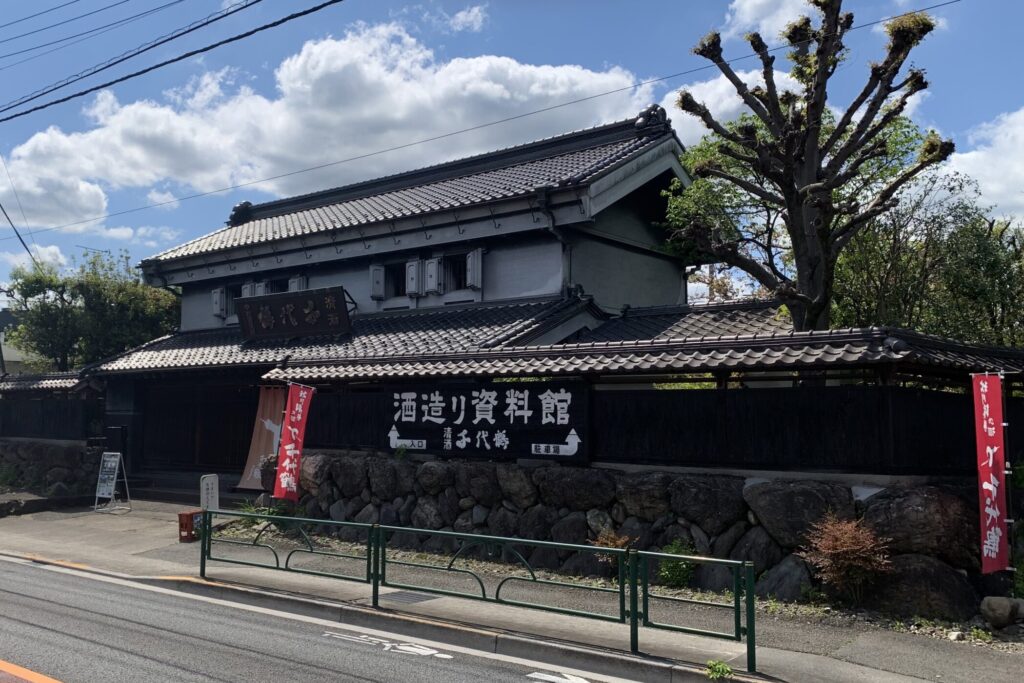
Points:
[(240, 213), (651, 121)]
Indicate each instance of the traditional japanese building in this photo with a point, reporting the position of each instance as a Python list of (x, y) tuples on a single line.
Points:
[(418, 303)]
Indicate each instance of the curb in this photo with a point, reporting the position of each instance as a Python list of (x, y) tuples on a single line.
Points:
[(561, 653)]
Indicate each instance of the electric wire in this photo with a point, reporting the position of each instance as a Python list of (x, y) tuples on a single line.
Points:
[(174, 60), (66, 21), (20, 238), (488, 124), (113, 24), (134, 52), (17, 198), (38, 14)]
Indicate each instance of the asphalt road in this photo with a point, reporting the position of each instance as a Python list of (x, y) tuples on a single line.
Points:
[(72, 628)]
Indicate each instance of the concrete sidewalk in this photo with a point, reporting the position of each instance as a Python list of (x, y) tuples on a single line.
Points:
[(143, 545)]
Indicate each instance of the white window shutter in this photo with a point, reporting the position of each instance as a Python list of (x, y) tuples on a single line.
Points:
[(219, 299), (249, 289), (413, 286), (432, 276), (297, 283), (474, 269), (377, 283), (259, 288)]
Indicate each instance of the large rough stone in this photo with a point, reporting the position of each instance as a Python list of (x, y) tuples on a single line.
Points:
[(677, 532), (638, 530), (314, 471), (449, 504), (268, 471), (464, 522), (1000, 612), (924, 586), (571, 529), (388, 515), (337, 511), (503, 522), (712, 502), (368, 515), (724, 543), (928, 521), (516, 486), (598, 520), (349, 474), (577, 488), (427, 514), (758, 547), (788, 508), (435, 476), (536, 522), (405, 478), (788, 581), (405, 510), (383, 477), (700, 540), (479, 480), (645, 494), (58, 474), (479, 514)]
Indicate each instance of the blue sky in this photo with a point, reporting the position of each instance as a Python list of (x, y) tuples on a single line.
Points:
[(363, 76)]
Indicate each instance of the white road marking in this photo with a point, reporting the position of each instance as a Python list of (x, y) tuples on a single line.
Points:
[(389, 646), (552, 678), (336, 626)]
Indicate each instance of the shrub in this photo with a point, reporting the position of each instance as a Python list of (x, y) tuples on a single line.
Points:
[(676, 573), (609, 539), (717, 670), (846, 555), (8, 475)]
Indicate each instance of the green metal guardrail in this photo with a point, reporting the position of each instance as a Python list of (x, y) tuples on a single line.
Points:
[(633, 592)]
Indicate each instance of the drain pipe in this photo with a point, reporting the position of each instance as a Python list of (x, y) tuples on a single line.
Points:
[(544, 204)]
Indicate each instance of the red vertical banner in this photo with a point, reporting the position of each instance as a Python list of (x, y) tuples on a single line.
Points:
[(988, 421), (293, 432)]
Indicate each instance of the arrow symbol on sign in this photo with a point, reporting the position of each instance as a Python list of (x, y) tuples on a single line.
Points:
[(557, 678)]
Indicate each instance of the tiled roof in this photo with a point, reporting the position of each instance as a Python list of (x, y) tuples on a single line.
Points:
[(836, 348), (570, 160), (54, 381), (704, 320), (430, 331)]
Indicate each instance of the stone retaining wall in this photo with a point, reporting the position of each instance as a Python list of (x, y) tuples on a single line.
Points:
[(55, 469), (933, 529)]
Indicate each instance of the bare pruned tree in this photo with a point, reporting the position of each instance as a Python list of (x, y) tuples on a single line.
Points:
[(796, 182)]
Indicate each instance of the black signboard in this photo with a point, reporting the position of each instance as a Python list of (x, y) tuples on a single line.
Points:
[(499, 420), (294, 314)]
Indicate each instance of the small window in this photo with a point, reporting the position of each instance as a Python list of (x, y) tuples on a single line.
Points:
[(233, 292), (394, 280), (276, 286), (454, 272)]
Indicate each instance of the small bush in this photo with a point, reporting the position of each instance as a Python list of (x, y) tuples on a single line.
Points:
[(676, 573), (609, 539), (8, 475), (717, 670), (846, 555), (981, 635)]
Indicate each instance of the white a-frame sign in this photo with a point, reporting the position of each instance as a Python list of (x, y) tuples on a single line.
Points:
[(111, 469)]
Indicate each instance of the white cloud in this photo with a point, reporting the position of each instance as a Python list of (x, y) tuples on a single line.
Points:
[(375, 87), (997, 161), (154, 236), (767, 17), (718, 95), (165, 201), (469, 19), (50, 253)]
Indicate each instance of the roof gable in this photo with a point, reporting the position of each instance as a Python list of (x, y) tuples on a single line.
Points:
[(572, 160)]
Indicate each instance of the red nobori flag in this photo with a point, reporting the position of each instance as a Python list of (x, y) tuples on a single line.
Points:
[(293, 431), (988, 425)]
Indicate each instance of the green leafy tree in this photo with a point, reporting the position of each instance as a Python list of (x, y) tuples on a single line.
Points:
[(936, 263), (781, 192), (100, 309)]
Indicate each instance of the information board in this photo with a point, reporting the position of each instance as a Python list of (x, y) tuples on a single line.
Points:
[(106, 481), (500, 420), (209, 492)]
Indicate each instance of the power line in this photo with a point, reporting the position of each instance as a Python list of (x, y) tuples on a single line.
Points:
[(125, 56), (18, 198), (91, 35), (449, 134), (20, 238), (38, 14), (98, 29), (66, 21), (174, 60)]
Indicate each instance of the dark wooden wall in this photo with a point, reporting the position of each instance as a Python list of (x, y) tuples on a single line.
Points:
[(51, 418)]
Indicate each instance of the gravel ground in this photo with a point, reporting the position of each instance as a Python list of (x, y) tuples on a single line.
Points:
[(776, 620)]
